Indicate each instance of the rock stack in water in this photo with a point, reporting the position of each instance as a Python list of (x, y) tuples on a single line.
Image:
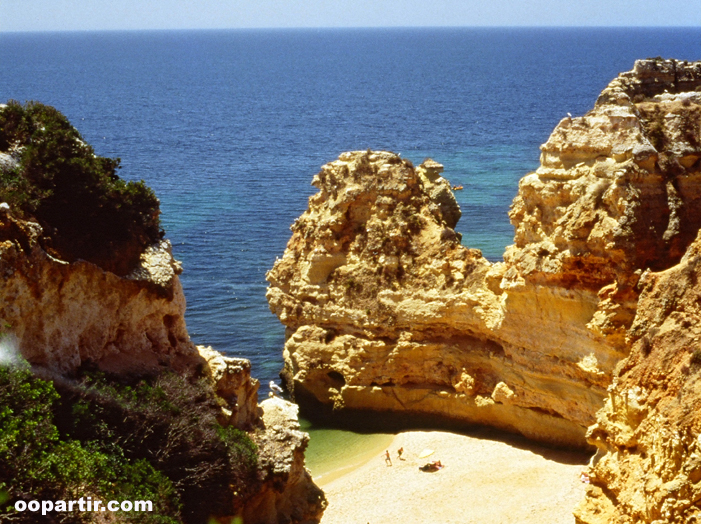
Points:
[(386, 311)]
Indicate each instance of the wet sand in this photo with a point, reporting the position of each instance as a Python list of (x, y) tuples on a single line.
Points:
[(484, 481)]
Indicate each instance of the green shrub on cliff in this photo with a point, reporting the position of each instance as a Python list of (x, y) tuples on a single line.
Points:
[(37, 462), (155, 439), (86, 210), (170, 422)]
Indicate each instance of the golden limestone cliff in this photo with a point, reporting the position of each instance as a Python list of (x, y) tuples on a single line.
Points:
[(65, 316), (385, 310), (284, 491), (648, 435)]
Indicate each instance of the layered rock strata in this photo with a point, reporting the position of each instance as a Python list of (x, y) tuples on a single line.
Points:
[(385, 310), (64, 315), (288, 493), (648, 434)]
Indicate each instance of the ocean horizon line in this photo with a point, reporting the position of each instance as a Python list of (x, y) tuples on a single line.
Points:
[(349, 29)]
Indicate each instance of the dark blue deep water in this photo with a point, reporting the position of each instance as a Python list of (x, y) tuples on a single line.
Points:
[(230, 126)]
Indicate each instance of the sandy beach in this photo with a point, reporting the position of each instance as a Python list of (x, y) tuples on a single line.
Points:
[(484, 481)]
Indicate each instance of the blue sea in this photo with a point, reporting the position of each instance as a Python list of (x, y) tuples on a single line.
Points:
[(229, 127)]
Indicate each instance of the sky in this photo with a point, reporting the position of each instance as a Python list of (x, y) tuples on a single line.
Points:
[(72, 15)]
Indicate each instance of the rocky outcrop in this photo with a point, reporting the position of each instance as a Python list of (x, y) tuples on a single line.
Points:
[(288, 493), (386, 311), (651, 77), (125, 315), (65, 315), (648, 465), (285, 491), (232, 382), (648, 435)]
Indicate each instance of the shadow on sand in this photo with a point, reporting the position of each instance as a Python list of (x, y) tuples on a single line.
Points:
[(369, 422)]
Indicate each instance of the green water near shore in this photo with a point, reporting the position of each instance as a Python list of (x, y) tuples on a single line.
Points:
[(334, 452)]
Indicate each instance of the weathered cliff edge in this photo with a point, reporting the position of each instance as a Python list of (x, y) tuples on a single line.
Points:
[(386, 311), (286, 492), (64, 315), (648, 434), (67, 315), (648, 464)]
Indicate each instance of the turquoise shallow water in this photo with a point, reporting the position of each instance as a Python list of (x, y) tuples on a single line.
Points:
[(334, 452), (229, 127)]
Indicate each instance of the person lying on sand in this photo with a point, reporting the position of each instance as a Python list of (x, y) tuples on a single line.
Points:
[(432, 466)]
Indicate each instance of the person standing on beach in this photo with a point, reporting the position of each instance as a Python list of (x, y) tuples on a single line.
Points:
[(388, 459)]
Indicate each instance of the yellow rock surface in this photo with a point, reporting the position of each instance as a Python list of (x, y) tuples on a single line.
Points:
[(385, 310), (64, 315)]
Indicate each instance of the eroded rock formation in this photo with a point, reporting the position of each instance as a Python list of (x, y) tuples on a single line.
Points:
[(285, 491), (648, 434), (385, 309), (288, 493), (65, 315), (648, 464)]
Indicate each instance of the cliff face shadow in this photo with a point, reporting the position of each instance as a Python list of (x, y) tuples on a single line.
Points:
[(368, 422)]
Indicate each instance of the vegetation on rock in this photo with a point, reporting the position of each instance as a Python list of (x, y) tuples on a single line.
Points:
[(153, 439), (51, 175)]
